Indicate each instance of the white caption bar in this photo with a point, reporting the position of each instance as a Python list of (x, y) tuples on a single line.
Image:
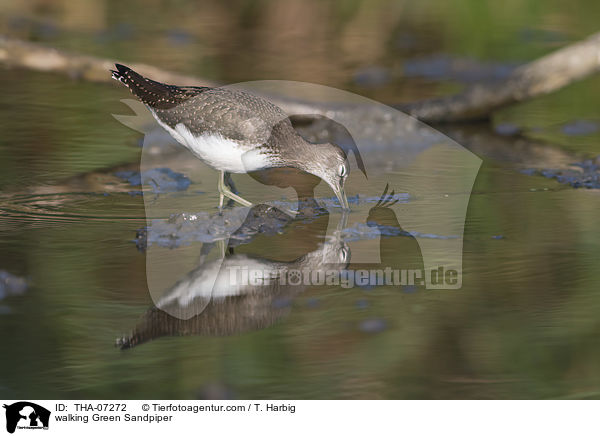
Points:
[(152, 417)]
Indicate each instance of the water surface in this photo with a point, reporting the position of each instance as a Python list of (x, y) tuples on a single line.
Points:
[(524, 324)]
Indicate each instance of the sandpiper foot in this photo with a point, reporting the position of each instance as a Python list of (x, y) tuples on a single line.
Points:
[(224, 191), (290, 212)]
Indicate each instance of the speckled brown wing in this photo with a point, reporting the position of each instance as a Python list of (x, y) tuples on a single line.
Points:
[(235, 115)]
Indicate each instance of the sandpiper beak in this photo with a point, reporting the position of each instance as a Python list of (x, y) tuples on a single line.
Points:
[(341, 195)]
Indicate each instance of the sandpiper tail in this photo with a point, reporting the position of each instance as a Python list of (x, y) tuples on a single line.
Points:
[(155, 94)]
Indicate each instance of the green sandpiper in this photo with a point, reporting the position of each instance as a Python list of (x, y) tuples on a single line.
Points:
[(235, 132)]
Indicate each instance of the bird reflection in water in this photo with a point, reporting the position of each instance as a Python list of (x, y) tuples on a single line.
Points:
[(399, 249), (227, 305)]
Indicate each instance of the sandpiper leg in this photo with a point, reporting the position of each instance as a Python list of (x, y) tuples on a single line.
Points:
[(229, 182), (221, 195), (221, 245), (224, 191)]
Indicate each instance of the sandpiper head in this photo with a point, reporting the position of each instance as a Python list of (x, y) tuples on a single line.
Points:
[(330, 163)]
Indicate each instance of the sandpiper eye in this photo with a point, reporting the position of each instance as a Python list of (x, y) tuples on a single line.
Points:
[(343, 171)]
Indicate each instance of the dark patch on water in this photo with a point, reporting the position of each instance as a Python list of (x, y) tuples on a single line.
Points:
[(179, 37), (362, 231), (10, 285), (362, 304), (262, 219), (542, 36), (587, 176), (5, 310), (161, 180), (439, 67), (185, 228), (312, 302), (580, 128), (529, 171), (365, 286), (237, 224), (373, 325), (141, 241), (373, 76), (409, 289), (507, 129), (282, 303)]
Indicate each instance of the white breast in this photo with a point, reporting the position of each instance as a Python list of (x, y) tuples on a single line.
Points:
[(219, 280), (217, 151)]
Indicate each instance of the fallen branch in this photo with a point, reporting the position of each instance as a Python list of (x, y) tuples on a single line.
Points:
[(545, 75), (32, 56)]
